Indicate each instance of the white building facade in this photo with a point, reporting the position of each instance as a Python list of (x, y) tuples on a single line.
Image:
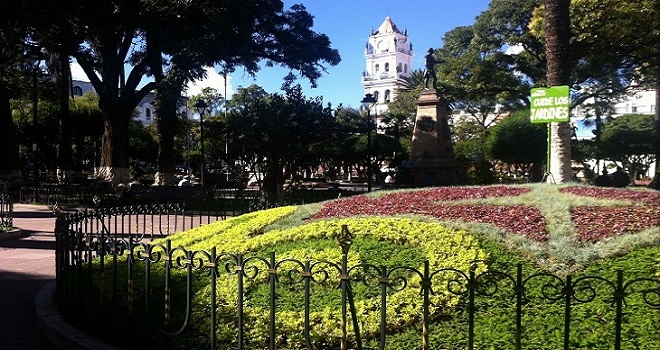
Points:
[(637, 102), (145, 110), (388, 54)]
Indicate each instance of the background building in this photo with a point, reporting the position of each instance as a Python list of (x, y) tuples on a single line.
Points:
[(146, 111), (388, 55)]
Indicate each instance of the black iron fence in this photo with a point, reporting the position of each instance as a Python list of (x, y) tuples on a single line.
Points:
[(78, 194), (107, 264), (236, 199), (6, 211)]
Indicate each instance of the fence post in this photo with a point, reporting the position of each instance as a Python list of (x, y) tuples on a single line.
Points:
[(272, 279), (619, 296), (472, 286), (520, 290), (61, 227), (426, 289), (168, 268), (239, 273), (568, 295), (345, 240), (383, 306), (129, 262), (214, 276)]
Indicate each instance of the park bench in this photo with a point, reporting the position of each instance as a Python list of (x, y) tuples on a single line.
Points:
[(170, 193)]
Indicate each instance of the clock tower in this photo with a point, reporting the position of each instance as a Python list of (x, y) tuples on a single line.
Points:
[(389, 54)]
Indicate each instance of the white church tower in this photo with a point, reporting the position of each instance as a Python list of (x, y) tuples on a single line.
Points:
[(389, 54)]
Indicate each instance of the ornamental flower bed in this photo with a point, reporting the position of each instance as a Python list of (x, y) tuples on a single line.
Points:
[(377, 240), (437, 203), (547, 229), (640, 210), (635, 197)]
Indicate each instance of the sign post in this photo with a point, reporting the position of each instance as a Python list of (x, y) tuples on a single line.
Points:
[(550, 105)]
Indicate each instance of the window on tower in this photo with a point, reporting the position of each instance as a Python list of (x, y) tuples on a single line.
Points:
[(387, 67), (405, 68), (377, 67), (387, 95), (376, 95)]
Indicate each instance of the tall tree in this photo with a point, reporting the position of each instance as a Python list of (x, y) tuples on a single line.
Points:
[(557, 48), (13, 32), (235, 33), (53, 25), (110, 37), (274, 132), (612, 26), (629, 141), (516, 141)]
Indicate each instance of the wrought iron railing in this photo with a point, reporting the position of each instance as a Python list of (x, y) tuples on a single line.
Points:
[(6, 211), (51, 194), (100, 264)]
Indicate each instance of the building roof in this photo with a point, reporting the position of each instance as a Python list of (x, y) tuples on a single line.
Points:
[(388, 27)]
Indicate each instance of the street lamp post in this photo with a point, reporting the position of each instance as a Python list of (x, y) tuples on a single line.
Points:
[(34, 63), (224, 77), (367, 102), (200, 107)]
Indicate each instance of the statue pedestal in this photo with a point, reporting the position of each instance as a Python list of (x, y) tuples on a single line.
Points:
[(432, 160)]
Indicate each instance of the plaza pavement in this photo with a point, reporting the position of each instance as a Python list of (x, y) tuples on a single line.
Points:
[(28, 318)]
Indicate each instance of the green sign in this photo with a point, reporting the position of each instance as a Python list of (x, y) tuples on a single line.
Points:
[(550, 105)]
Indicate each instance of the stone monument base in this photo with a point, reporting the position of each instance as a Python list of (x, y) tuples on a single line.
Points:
[(435, 172), (432, 160)]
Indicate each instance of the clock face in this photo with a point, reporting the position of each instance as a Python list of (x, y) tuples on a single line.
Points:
[(382, 45)]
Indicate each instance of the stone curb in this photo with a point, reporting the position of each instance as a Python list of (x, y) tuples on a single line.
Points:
[(62, 334)]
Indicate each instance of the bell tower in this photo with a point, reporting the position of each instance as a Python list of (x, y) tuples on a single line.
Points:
[(389, 54)]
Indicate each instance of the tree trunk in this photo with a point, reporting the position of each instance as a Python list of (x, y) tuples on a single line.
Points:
[(557, 48), (10, 165), (655, 184), (64, 153), (166, 113), (116, 103), (274, 182), (114, 165), (168, 92)]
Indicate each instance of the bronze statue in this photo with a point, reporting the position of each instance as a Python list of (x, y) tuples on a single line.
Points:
[(429, 70)]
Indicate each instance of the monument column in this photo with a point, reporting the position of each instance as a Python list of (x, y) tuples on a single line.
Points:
[(432, 158)]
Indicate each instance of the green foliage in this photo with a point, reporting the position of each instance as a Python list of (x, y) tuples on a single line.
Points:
[(405, 98), (255, 124), (516, 140), (378, 241), (408, 241), (476, 78), (141, 143), (630, 140), (612, 26)]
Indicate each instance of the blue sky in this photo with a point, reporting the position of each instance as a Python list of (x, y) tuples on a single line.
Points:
[(347, 23)]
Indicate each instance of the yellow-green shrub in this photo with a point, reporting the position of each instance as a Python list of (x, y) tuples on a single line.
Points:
[(443, 247)]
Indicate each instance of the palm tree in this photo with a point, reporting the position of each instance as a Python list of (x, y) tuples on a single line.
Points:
[(557, 49), (414, 81)]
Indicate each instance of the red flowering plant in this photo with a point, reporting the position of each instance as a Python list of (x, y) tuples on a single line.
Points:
[(607, 212), (447, 203), (637, 210)]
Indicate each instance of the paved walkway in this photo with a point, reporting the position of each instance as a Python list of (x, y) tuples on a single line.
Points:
[(27, 263), (27, 272)]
